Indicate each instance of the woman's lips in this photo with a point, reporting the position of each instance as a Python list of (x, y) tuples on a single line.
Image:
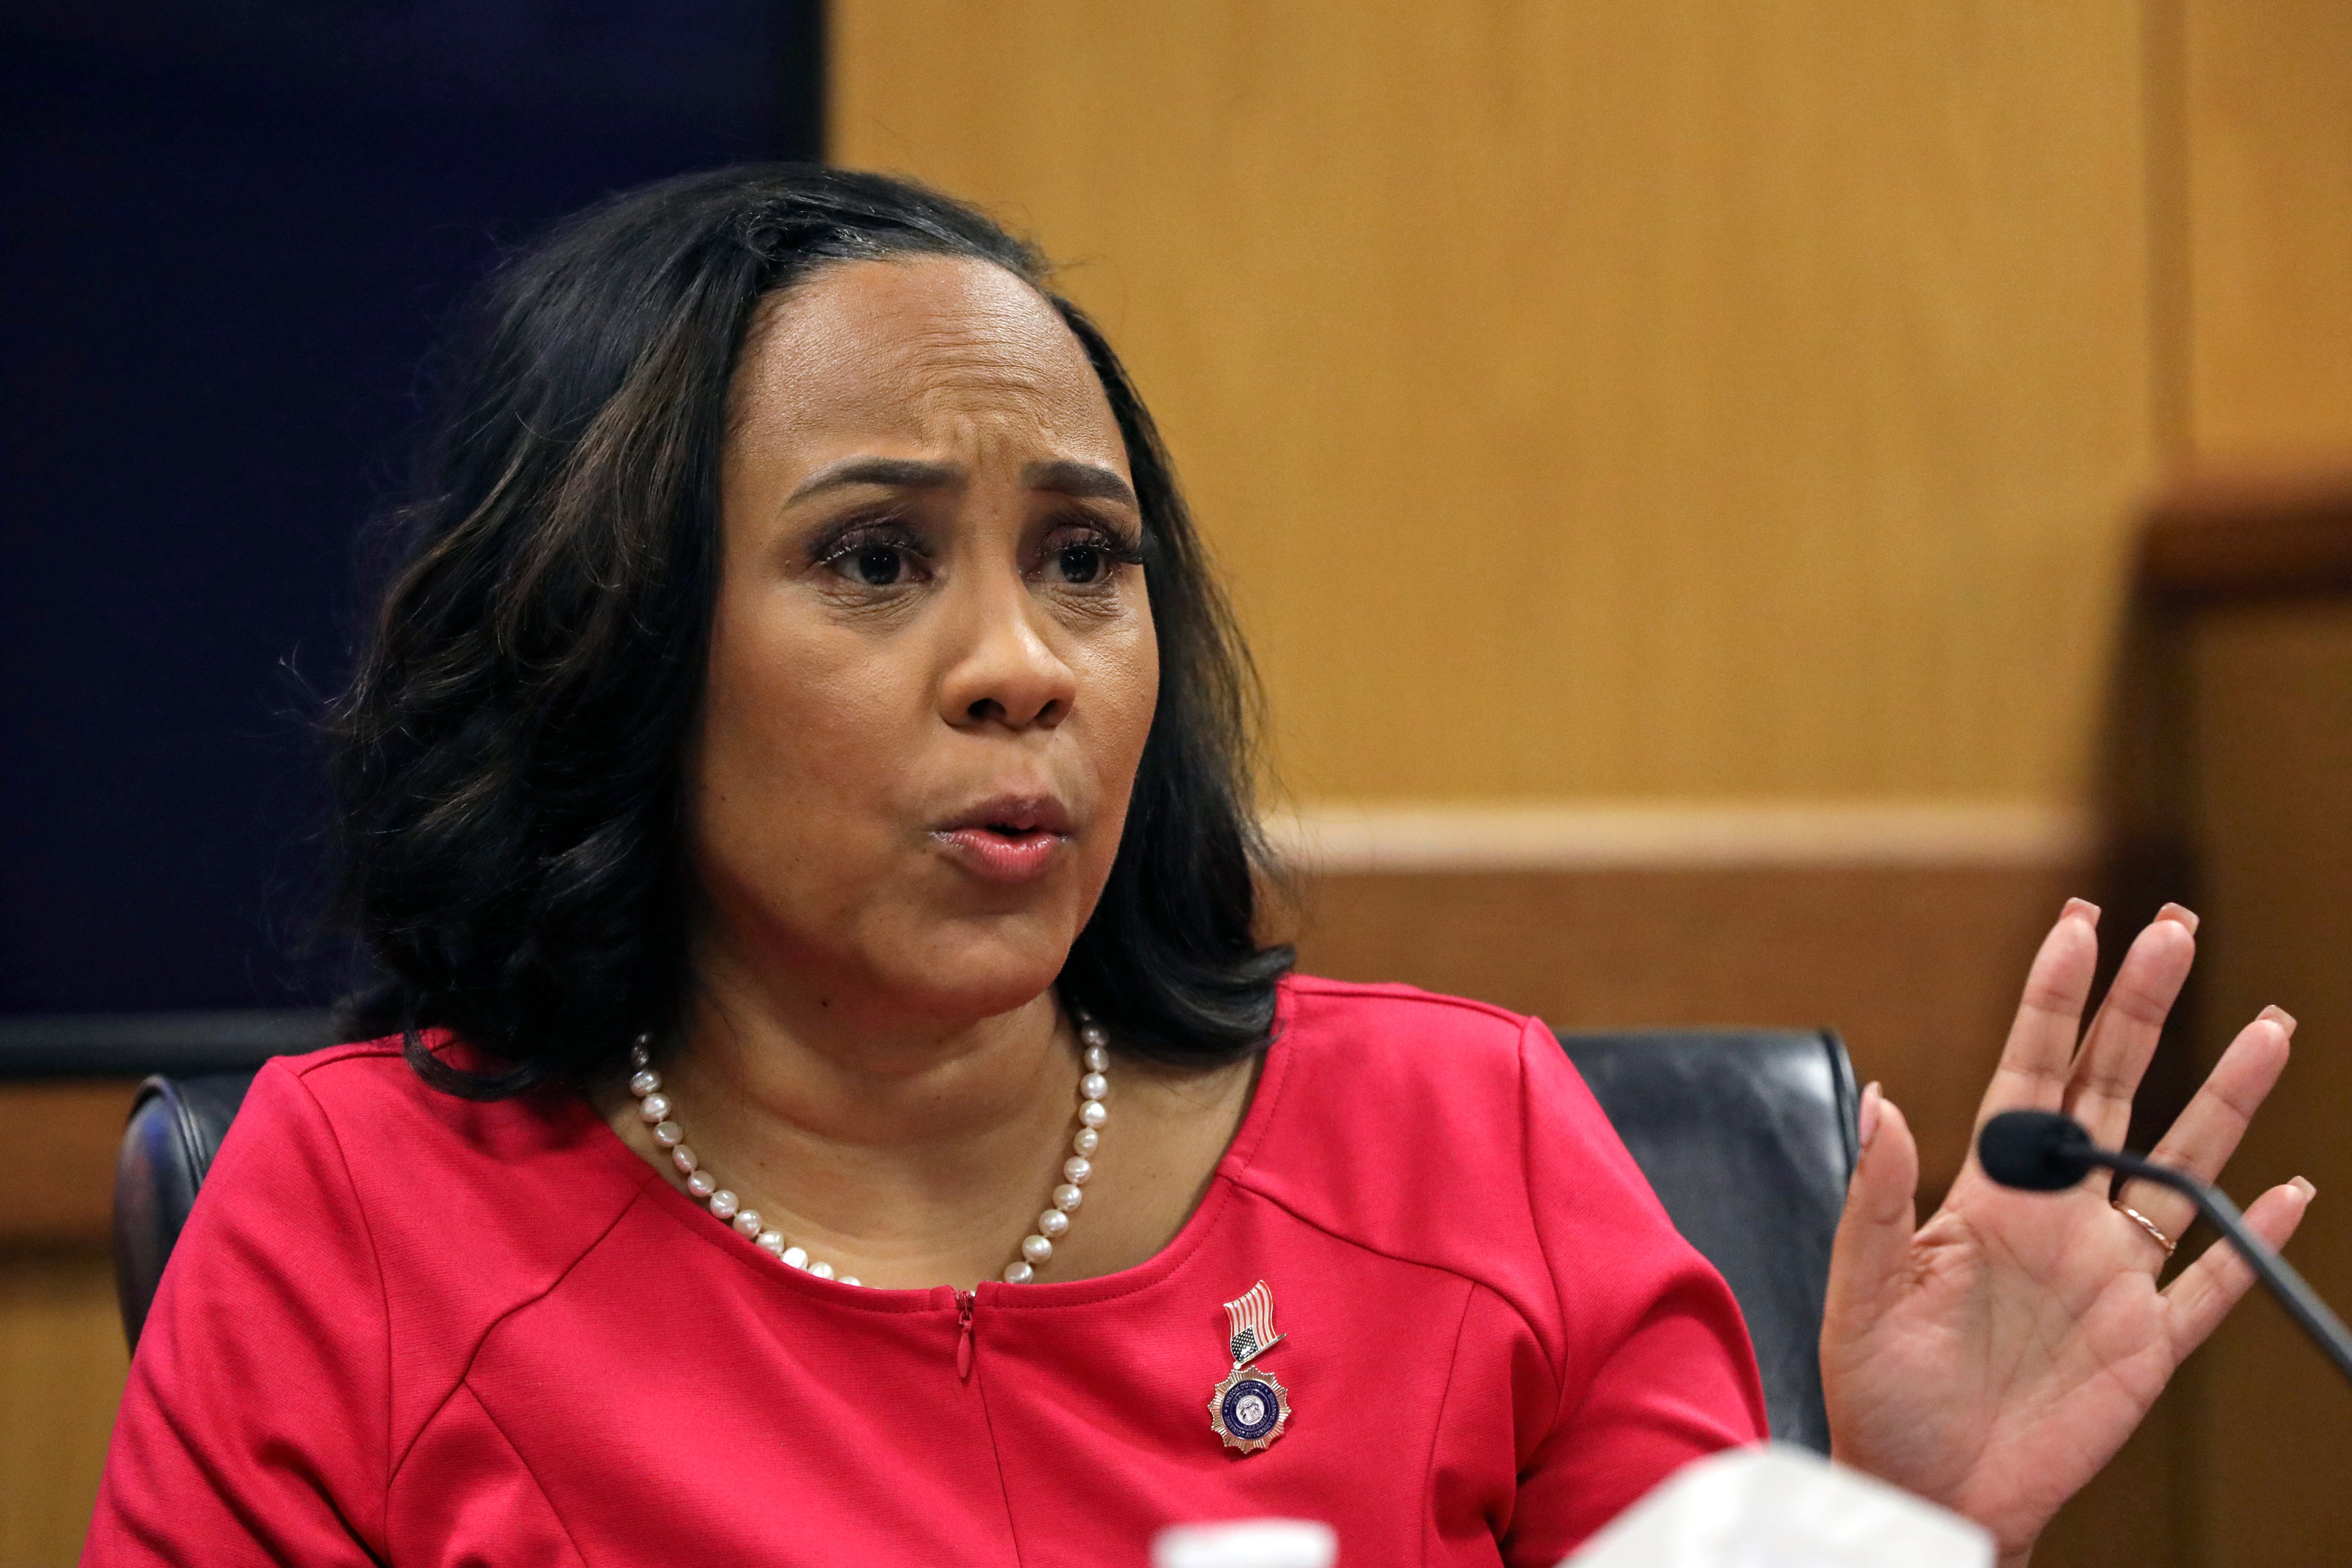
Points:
[(1011, 838), (1002, 854)]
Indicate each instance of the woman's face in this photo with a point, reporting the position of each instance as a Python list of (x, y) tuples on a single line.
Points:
[(932, 666)]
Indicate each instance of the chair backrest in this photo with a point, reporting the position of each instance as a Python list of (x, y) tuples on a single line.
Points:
[(1747, 1135), (1749, 1138), (176, 1125)]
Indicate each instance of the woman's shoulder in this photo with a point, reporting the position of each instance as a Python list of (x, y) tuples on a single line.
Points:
[(392, 1128), (1373, 1054), (1412, 1120), (348, 1147), (1376, 1016)]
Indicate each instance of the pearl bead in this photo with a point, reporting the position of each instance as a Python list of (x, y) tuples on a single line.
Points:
[(1094, 1034), (748, 1221), (1036, 1249), (1018, 1272), (773, 1240), (685, 1159), (1093, 1086), (645, 1083), (1053, 1222), (822, 1271), (723, 1204), (1087, 1142), (700, 1183), (1093, 1114), (1067, 1199), (653, 1107), (668, 1134), (796, 1256), (1098, 1059), (1076, 1169)]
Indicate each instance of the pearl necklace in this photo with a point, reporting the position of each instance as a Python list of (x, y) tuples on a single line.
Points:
[(653, 1107)]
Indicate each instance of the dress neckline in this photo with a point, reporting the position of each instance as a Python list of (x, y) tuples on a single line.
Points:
[(1264, 1094)]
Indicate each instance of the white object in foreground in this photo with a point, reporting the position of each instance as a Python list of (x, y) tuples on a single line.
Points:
[(1782, 1508), (1247, 1544)]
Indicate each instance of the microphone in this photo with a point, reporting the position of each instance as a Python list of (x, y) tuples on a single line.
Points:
[(2045, 1151)]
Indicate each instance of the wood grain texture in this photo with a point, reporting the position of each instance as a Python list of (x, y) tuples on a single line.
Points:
[(1654, 836), (2280, 536), (2268, 199), (61, 1367), (2271, 715), (67, 1197), (62, 1357), (1600, 400)]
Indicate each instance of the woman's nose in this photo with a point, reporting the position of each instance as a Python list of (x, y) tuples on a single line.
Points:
[(1006, 672)]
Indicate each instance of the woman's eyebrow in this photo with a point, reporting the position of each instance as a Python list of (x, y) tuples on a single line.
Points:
[(896, 473), (1086, 481)]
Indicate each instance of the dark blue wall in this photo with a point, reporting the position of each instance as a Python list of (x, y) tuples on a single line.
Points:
[(232, 235)]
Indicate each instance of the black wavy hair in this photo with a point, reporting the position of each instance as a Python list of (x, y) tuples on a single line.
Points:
[(508, 757)]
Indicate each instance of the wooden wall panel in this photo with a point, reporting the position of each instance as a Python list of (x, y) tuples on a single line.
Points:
[(1700, 400), (61, 1367), (2268, 203), (62, 1357), (66, 1197), (2273, 708)]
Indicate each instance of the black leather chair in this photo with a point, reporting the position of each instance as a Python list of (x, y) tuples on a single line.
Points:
[(1747, 1134), (176, 1125), (1749, 1138)]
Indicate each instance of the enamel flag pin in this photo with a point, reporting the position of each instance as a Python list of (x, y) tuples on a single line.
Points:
[(1250, 1409)]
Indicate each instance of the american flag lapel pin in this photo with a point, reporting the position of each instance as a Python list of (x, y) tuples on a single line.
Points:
[(1250, 1409)]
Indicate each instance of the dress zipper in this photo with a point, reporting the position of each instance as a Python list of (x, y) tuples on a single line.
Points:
[(964, 1300)]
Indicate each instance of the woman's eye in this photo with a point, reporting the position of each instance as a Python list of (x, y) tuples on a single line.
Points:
[(878, 565)]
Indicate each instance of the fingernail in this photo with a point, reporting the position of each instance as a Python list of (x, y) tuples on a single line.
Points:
[(2081, 910), (1867, 1118), (2309, 1192), (2178, 915), (2281, 1016)]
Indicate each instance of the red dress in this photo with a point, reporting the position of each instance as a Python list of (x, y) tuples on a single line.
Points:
[(404, 1328)]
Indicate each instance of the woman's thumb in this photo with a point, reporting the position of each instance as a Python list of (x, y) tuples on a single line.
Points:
[(1873, 1250)]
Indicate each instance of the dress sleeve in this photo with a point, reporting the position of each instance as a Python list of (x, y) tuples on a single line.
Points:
[(1655, 1368), (255, 1425)]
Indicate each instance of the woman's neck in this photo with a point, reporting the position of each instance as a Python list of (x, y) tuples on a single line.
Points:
[(912, 1149), (904, 1151), (835, 1079)]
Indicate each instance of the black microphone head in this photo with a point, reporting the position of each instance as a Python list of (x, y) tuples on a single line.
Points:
[(2040, 1151)]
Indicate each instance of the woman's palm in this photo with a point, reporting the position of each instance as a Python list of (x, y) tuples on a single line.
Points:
[(1997, 1357)]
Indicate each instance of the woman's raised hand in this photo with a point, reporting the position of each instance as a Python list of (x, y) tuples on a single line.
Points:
[(1993, 1359)]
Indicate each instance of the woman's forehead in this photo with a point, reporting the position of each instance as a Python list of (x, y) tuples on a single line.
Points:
[(924, 349)]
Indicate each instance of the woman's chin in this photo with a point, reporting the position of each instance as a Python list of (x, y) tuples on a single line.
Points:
[(972, 978)]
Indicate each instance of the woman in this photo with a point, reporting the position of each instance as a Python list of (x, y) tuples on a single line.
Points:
[(844, 1112)]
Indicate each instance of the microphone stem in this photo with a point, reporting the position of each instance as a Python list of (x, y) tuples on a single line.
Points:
[(2302, 1302)]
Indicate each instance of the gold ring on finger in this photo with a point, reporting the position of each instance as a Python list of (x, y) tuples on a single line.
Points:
[(2145, 1223)]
